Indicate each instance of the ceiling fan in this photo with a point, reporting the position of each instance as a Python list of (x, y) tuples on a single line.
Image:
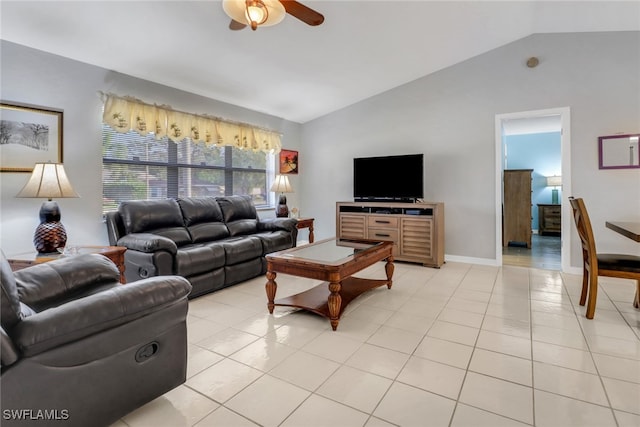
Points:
[(264, 13)]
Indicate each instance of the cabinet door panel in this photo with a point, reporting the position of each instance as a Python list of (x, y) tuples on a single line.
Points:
[(416, 238), (352, 227)]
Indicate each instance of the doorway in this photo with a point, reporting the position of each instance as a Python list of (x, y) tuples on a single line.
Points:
[(546, 251)]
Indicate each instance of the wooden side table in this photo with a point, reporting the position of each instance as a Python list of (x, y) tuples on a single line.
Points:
[(306, 223), (114, 253), (549, 221)]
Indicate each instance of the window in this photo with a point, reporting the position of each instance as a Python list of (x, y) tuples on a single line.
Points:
[(136, 167)]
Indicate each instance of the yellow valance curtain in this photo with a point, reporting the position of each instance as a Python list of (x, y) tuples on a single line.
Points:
[(125, 114)]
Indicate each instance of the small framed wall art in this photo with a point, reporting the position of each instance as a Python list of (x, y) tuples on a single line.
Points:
[(289, 162), (29, 135)]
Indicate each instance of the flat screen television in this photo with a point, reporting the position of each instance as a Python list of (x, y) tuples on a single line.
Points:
[(389, 178)]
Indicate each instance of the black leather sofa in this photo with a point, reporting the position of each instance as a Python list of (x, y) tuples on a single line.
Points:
[(213, 242), (80, 349)]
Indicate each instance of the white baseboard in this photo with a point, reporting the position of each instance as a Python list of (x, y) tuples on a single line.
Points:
[(471, 260), (494, 263)]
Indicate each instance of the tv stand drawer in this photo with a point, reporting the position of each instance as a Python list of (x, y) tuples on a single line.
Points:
[(383, 234), (383, 221)]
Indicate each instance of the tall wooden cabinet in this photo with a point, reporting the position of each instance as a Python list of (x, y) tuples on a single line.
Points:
[(517, 207), (417, 229)]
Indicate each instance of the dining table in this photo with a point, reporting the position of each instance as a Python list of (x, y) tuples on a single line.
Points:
[(630, 229)]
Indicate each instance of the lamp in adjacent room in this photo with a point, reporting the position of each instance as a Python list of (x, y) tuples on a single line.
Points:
[(555, 182), (281, 185), (49, 180)]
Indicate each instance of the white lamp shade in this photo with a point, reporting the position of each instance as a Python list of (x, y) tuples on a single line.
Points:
[(237, 10), (554, 181), (48, 180), (281, 184)]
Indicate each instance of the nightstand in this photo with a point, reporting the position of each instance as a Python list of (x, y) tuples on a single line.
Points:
[(549, 219)]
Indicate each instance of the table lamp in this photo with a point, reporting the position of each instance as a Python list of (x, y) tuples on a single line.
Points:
[(281, 185), (49, 180), (555, 182)]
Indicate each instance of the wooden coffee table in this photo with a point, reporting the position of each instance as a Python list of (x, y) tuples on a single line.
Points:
[(334, 261)]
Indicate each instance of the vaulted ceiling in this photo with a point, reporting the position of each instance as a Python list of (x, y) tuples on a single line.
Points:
[(292, 70)]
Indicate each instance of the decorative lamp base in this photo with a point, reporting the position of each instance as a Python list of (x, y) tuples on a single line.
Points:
[(554, 196), (50, 234), (282, 210)]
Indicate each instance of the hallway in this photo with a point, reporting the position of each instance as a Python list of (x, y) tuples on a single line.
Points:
[(544, 253)]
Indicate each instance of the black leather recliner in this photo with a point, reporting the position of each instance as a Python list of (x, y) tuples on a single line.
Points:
[(80, 349)]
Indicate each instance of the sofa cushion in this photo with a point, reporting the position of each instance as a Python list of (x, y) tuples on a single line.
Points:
[(240, 249), (161, 217), (239, 214), (273, 241), (199, 258), (203, 218)]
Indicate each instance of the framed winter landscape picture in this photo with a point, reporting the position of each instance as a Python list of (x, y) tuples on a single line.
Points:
[(29, 135)]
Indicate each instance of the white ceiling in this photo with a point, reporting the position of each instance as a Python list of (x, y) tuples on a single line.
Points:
[(292, 70)]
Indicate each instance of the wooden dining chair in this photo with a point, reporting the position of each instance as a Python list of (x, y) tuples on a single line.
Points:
[(595, 264)]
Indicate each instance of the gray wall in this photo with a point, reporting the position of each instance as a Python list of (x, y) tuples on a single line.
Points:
[(34, 77), (449, 116)]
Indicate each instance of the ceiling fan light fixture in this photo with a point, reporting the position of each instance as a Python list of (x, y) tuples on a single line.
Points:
[(252, 12), (256, 13)]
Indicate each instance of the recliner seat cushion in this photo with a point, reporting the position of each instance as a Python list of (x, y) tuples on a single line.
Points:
[(240, 249), (273, 241), (239, 214), (203, 218), (201, 258), (161, 217)]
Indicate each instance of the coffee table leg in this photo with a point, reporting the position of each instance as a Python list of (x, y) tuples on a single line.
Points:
[(334, 302), (271, 288), (389, 267)]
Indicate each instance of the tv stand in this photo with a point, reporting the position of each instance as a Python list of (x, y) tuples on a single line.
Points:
[(417, 229)]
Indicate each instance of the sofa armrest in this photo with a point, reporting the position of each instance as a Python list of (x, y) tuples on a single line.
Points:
[(274, 224), (148, 242), (43, 285), (98, 312)]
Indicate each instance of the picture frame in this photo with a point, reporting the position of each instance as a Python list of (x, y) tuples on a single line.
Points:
[(29, 135), (289, 162)]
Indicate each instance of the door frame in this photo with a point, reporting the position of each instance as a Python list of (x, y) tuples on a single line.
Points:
[(565, 153)]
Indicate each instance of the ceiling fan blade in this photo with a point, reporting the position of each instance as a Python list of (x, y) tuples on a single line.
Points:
[(235, 25), (302, 12)]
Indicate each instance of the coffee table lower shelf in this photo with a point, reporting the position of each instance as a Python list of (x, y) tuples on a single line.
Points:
[(316, 299)]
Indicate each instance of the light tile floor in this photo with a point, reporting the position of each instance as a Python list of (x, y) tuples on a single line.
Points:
[(464, 345)]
